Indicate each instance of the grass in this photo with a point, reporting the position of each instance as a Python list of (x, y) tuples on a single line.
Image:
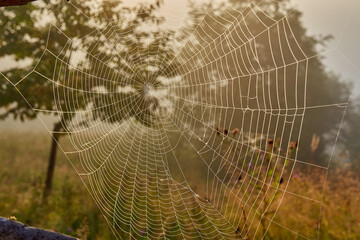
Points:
[(70, 210)]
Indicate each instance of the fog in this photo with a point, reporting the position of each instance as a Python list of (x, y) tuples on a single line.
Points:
[(338, 18)]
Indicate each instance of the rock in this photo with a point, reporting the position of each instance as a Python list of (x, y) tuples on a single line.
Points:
[(11, 230)]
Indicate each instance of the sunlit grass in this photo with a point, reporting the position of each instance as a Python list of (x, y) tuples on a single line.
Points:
[(70, 210)]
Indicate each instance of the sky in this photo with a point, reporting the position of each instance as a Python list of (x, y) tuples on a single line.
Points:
[(340, 18)]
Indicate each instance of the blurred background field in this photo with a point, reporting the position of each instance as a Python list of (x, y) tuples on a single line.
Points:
[(289, 182), (71, 210)]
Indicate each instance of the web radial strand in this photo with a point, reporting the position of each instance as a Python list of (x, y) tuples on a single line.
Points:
[(197, 135)]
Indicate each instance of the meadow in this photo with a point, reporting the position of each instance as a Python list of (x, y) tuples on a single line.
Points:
[(70, 209)]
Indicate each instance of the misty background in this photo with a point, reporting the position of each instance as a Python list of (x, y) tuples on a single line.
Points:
[(227, 143), (338, 18)]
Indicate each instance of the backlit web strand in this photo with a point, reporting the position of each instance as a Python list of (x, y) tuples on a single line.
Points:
[(235, 69)]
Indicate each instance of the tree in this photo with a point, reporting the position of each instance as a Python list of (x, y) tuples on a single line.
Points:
[(24, 37), (262, 73), (349, 137), (253, 16), (247, 67)]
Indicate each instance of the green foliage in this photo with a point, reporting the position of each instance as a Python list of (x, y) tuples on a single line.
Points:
[(72, 211), (137, 46), (349, 135), (249, 32)]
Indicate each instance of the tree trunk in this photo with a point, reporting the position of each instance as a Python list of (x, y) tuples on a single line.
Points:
[(52, 159), (58, 130)]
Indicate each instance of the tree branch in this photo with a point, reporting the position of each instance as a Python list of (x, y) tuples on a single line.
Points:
[(6, 3), (11, 230)]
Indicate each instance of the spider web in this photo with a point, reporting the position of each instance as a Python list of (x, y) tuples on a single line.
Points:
[(230, 112)]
